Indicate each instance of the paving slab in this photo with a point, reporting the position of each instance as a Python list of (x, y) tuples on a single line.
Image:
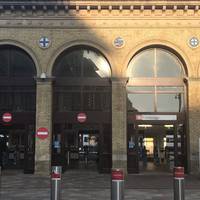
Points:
[(86, 185)]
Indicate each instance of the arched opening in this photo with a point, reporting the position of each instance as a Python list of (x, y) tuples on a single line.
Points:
[(156, 106), (82, 110), (17, 108)]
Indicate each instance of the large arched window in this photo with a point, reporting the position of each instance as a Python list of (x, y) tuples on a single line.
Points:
[(81, 81), (82, 63), (155, 82), (82, 85), (17, 84), (15, 62)]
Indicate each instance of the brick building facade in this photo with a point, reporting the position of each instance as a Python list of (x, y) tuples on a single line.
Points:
[(118, 31)]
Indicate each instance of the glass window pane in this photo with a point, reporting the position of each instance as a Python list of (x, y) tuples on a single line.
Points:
[(97, 101), (171, 89), (66, 101), (106, 101), (4, 62), (88, 101), (76, 101), (142, 65), (133, 89), (169, 102), (167, 65), (82, 62), (69, 65), (89, 69), (21, 64), (141, 102), (95, 65)]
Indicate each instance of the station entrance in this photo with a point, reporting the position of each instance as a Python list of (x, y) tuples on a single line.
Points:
[(156, 145), (157, 110), (17, 109), (18, 147), (82, 130), (84, 147)]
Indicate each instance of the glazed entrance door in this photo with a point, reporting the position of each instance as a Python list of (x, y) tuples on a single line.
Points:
[(176, 146), (29, 149), (13, 143), (132, 150), (164, 142), (14, 157), (18, 147), (87, 146), (75, 148)]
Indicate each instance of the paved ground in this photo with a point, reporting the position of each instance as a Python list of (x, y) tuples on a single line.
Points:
[(85, 185)]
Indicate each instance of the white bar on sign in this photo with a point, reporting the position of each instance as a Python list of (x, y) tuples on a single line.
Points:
[(42, 133), (7, 117)]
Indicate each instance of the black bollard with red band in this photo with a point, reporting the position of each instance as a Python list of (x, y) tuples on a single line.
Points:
[(179, 193), (117, 184), (56, 182)]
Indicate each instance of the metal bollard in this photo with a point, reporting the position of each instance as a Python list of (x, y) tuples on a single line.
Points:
[(56, 182), (117, 184), (179, 183)]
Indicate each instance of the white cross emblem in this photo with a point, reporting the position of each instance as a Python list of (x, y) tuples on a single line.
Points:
[(44, 42), (194, 42)]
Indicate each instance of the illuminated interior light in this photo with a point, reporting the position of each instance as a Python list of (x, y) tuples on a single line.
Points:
[(145, 125), (168, 126)]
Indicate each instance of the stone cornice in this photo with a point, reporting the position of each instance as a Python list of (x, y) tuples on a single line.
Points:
[(53, 14), (111, 5)]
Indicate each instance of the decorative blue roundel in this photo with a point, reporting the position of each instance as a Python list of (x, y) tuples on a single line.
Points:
[(44, 42), (194, 42), (118, 42)]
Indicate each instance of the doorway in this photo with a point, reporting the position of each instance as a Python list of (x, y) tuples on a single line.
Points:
[(17, 147), (157, 147), (76, 149), (82, 87), (84, 147)]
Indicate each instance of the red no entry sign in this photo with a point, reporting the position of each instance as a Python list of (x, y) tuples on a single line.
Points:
[(42, 133), (7, 117), (81, 117)]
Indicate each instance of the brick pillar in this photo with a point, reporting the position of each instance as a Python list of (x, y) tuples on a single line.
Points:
[(194, 123), (119, 124), (43, 119)]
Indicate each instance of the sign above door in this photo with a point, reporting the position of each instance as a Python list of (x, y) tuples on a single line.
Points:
[(157, 117)]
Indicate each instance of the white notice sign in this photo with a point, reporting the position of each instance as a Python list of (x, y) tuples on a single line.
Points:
[(156, 117)]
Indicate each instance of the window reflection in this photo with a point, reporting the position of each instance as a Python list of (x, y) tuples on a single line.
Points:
[(82, 63), (177, 89), (155, 62), (141, 102), (155, 99), (169, 102), (167, 65), (143, 65)]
